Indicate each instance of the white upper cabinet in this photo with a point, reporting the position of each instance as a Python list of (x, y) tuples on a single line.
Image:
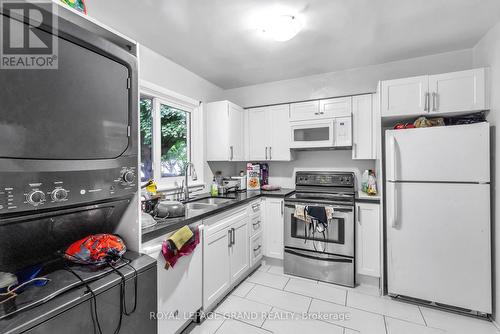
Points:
[(458, 91), (336, 107), (279, 131), (448, 93), (303, 111), (224, 131), (363, 127), (258, 137), (268, 133), (405, 97)]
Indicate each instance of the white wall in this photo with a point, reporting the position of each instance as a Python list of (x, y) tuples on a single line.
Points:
[(354, 81), (487, 53), (159, 70)]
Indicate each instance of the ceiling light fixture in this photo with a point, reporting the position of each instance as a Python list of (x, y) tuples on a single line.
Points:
[(282, 27)]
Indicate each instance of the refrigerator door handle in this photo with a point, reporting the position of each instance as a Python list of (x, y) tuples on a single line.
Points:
[(393, 145), (394, 208)]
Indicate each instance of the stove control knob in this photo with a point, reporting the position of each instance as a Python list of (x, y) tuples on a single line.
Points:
[(128, 176), (35, 197), (59, 195)]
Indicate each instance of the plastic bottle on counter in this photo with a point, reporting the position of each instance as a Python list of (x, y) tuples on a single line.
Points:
[(214, 189)]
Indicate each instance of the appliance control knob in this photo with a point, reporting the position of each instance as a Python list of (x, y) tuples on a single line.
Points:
[(59, 195), (35, 197), (128, 176)]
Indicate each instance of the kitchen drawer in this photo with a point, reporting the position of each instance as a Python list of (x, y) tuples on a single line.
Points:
[(222, 221), (255, 225), (254, 208), (256, 248)]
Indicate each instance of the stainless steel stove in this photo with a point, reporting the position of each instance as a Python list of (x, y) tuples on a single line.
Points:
[(316, 251)]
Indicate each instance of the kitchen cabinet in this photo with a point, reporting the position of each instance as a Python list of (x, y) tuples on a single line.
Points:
[(303, 111), (320, 109), (363, 127), (405, 97), (368, 234), (268, 133), (273, 227), (336, 107), (224, 122), (458, 91), (225, 253), (441, 94), (238, 252)]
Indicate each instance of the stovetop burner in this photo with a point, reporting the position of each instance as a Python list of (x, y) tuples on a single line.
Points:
[(324, 187)]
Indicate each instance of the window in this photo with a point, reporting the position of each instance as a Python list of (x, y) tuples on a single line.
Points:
[(174, 141), (165, 134), (146, 131)]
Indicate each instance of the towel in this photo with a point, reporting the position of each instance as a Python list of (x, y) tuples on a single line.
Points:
[(180, 237), (300, 212), (170, 252), (317, 213)]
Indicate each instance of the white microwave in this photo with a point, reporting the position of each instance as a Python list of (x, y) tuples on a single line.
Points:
[(326, 133)]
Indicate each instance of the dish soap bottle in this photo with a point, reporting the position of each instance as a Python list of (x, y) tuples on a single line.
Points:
[(214, 189)]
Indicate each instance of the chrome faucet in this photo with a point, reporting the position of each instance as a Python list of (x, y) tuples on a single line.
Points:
[(193, 177)]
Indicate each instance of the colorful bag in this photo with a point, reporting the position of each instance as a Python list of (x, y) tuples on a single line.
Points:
[(96, 249), (79, 5)]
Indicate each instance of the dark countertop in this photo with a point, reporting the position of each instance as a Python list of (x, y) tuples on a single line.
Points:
[(191, 216), (364, 197)]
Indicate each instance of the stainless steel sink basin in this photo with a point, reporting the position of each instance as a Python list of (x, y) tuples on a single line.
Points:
[(211, 200), (200, 206)]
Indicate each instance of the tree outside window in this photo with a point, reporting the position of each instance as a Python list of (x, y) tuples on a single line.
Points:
[(174, 125)]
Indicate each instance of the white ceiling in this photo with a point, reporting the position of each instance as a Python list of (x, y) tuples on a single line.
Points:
[(217, 39)]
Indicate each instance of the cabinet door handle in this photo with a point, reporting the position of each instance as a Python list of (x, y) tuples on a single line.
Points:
[(266, 152), (282, 209), (233, 239), (255, 206), (434, 101), (358, 218), (270, 153), (229, 238), (257, 248), (232, 152), (426, 103), (355, 150)]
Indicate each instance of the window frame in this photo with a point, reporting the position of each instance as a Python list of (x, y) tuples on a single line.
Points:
[(159, 96)]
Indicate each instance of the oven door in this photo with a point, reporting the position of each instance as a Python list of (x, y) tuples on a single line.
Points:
[(338, 238)]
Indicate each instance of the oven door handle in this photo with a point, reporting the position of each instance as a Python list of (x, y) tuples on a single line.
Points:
[(329, 259), (343, 209)]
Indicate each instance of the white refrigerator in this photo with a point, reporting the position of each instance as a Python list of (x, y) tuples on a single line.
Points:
[(438, 215)]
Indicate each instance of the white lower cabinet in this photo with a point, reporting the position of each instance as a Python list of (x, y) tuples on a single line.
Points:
[(226, 253), (368, 236), (273, 227), (238, 252), (216, 266)]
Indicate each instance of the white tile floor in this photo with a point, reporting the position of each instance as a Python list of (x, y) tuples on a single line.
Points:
[(271, 302)]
